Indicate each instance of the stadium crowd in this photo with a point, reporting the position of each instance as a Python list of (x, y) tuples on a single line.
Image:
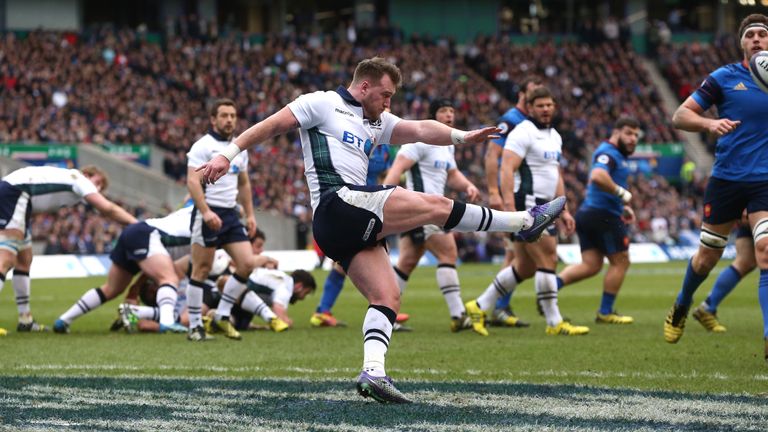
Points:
[(115, 86)]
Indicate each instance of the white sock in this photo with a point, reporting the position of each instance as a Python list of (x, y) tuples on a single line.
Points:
[(231, 293), (402, 279), (195, 291), (377, 331), (22, 288), (505, 282), (92, 299), (166, 302), (546, 295), (254, 304), (469, 218), (448, 282), (146, 312)]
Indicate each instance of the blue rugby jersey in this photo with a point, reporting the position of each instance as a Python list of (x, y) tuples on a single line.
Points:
[(741, 155), (379, 162), (507, 122), (609, 158)]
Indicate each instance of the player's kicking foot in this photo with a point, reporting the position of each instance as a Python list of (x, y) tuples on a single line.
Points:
[(708, 320), (613, 318), (477, 316), (674, 324), (543, 216), (382, 389), (506, 318)]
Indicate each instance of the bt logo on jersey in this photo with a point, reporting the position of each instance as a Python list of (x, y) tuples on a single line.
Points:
[(552, 155), (350, 138)]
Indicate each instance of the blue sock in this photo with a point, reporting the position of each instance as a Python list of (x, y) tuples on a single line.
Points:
[(762, 294), (331, 290), (503, 301), (560, 283), (724, 284), (606, 304), (691, 282)]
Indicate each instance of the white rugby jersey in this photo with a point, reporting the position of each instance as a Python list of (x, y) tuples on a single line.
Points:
[(280, 283), (174, 228), (336, 140), (51, 187), (430, 172), (223, 193), (540, 149)]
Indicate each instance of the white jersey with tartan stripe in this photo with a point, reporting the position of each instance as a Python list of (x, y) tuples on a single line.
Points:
[(51, 187), (336, 139), (223, 193), (540, 149), (430, 172)]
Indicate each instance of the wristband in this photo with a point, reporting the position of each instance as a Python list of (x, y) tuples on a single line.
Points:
[(231, 151), (457, 136), (624, 194)]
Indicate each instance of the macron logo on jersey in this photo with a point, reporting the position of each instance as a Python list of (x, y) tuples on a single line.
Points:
[(346, 113)]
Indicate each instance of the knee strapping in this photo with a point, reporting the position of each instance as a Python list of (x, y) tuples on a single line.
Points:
[(760, 231), (712, 240), (12, 245)]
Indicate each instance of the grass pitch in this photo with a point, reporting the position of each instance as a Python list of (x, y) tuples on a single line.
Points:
[(615, 378)]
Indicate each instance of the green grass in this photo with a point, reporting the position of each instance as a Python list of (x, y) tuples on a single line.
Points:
[(510, 371)]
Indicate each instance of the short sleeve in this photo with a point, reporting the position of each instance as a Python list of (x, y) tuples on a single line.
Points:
[(82, 185), (518, 141), (388, 123), (709, 92), (604, 161), (310, 109), (410, 151), (198, 154)]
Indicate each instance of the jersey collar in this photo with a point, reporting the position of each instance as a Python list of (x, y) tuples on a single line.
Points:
[(538, 125), (347, 96), (217, 136)]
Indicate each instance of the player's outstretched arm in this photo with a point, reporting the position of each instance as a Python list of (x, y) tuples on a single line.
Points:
[(110, 209), (276, 124), (435, 133), (689, 117)]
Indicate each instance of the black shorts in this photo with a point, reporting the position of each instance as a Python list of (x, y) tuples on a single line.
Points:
[(343, 227), (15, 208), (132, 246), (725, 200), (601, 230), (231, 231)]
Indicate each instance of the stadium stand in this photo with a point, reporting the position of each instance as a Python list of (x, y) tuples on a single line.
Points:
[(114, 86)]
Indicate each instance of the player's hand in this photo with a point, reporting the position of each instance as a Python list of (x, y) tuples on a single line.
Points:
[(494, 200), (720, 127), (212, 220), (472, 193), (628, 215), (568, 223), (250, 226), (480, 136), (214, 169)]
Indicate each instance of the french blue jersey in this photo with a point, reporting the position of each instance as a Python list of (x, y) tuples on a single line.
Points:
[(378, 163), (740, 155), (507, 122), (609, 158)]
